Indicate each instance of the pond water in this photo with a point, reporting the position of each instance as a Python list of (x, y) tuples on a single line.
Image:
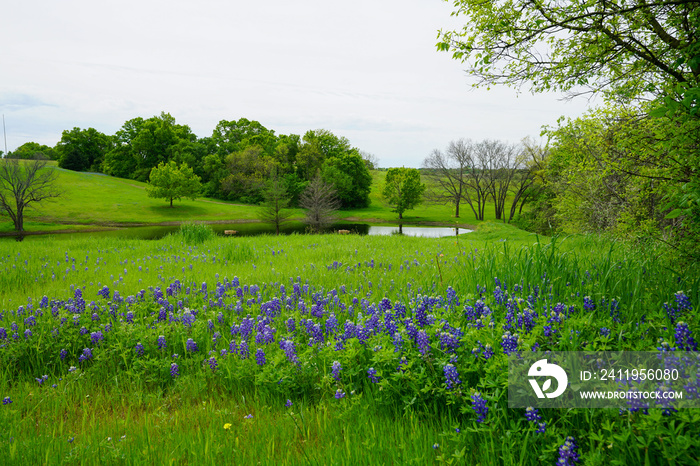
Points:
[(254, 229)]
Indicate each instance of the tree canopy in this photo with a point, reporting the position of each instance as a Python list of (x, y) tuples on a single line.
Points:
[(626, 47), (170, 181), (403, 189)]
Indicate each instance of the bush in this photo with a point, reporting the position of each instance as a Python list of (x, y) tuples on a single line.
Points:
[(195, 233)]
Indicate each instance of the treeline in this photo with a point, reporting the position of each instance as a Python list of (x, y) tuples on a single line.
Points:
[(233, 164)]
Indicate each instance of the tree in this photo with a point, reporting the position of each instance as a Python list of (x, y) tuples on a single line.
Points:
[(275, 202), (83, 150), (32, 150), (625, 48), (403, 189), (504, 163), (448, 173), (529, 181), (24, 183), (350, 177), (321, 203), (169, 181)]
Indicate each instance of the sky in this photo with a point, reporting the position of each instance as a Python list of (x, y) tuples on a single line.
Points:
[(367, 70)]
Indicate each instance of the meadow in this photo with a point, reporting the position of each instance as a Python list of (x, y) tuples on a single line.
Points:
[(327, 349), (91, 200)]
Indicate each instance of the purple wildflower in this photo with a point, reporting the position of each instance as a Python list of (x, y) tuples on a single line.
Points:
[(335, 370), (6, 400), (479, 407), (451, 376), (191, 345), (139, 349), (568, 455), (339, 393), (372, 374), (161, 342), (174, 370), (260, 357)]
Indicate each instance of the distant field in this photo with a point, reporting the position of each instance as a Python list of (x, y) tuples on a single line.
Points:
[(91, 199)]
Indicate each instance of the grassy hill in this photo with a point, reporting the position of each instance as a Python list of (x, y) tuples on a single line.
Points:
[(91, 200)]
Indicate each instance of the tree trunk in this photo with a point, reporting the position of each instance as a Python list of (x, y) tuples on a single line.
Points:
[(171, 202)]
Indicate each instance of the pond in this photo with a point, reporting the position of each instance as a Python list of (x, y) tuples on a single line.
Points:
[(255, 229)]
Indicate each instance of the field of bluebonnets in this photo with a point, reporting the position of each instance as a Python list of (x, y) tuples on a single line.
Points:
[(328, 350)]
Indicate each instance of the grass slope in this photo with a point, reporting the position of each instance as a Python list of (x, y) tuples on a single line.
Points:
[(91, 199)]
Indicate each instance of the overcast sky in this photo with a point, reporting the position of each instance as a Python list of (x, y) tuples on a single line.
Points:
[(367, 70)]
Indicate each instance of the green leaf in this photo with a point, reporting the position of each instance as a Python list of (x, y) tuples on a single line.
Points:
[(674, 213)]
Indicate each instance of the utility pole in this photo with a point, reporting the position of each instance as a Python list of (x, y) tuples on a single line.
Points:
[(4, 132)]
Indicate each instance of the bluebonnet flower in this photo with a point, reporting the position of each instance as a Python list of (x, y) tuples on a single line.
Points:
[(161, 342), (3, 333), (130, 317), (27, 334), (243, 350), (6, 400), (335, 370), (139, 349), (260, 357), (568, 455), (174, 370), (402, 362), (423, 342), (604, 331), (104, 292), (509, 343), (451, 376), (339, 393), (212, 363), (191, 345), (87, 354), (684, 338), (372, 374), (288, 404), (63, 354), (436, 446), (96, 338), (479, 407), (30, 321), (42, 379), (187, 318), (533, 416)]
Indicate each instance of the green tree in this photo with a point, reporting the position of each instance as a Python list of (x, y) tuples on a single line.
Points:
[(30, 150), (350, 176), (83, 149), (403, 189), (24, 183), (142, 144), (168, 181)]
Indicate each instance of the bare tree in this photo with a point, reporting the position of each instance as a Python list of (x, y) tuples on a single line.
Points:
[(321, 203), (500, 162), (21, 184), (448, 173), (480, 177), (276, 201), (528, 182)]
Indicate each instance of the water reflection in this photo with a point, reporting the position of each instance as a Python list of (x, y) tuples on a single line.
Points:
[(256, 229)]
